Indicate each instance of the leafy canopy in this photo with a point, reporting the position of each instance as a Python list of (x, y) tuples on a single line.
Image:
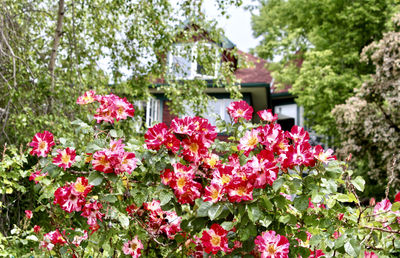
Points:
[(320, 42)]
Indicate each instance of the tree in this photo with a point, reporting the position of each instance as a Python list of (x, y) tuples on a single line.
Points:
[(327, 37), (369, 122), (50, 51)]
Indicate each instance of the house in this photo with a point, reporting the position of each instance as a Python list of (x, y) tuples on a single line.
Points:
[(256, 83)]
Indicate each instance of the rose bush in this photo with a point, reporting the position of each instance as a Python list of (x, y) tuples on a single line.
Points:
[(179, 191)]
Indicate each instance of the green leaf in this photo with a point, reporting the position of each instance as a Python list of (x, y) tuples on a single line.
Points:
[(215, 210), (32, 237), (266, 203), (113, 133), (284, 219), (340, 241), (278, 184), (165, 197), (342, 197), (266, 221), (248, 231), (109, 198), (95, 178), (124, 220), (331, 202), (301, 203), (63, 141), (396, 206), (202, 211), (254, 212), (227, 225), (280, 201), (315, 240), (92, 147), (352, 247), (359, 183)]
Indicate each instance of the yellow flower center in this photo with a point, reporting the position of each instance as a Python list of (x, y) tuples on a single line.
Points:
[(133, 246), (241, 190), (88, 159), (214, 194), (120, 110), (181, 182), (240, 112), (42, 145), (79, 187), (65, 158), (215, 240), (225, 179), (103, 161), (253, 141), (212, 162), (194, 147), (271, 249)]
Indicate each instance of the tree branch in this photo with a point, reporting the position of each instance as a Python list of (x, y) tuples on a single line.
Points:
[(56, 41), (383, 230)]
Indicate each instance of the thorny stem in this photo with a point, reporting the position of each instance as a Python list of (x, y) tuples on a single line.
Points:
[(391, 177), (383, 230)]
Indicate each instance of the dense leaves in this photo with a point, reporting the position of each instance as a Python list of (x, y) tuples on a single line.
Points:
[(369, 122), (320, 42), (279, 195), (51, 51)]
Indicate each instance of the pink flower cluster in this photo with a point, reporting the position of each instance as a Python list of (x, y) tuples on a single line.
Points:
[(111, 107), (115, 159), (42, 143), (157, 220), (72, 197), (384, 208), (270, 244), (196, 135), (133, 247), (291, 148), (191, 138), (65, 158), (240, 110), (215, 239), (51, 239), (56, 238), (87, 98)]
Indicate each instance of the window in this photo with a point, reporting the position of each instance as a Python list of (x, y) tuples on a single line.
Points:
[(152, 110), (194, 61), (291, 110)]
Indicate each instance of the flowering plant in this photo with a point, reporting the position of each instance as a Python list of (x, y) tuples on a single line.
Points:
[(180, 191)]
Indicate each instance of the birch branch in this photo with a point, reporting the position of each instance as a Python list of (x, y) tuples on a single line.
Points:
[(56, 42)]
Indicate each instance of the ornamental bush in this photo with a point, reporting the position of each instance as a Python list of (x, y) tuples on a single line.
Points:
[(180, 192)]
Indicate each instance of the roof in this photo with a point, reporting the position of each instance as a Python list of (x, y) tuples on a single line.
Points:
[(256, 73)]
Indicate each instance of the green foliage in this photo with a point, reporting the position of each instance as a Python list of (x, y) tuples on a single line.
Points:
[(369, 122), (14, 188), (105, 45), (320, 42), (315, 207)]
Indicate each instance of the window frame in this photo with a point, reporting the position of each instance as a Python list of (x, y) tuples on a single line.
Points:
[(193, 61)]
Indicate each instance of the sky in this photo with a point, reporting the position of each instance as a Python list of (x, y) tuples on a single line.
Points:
[(238, 27)]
